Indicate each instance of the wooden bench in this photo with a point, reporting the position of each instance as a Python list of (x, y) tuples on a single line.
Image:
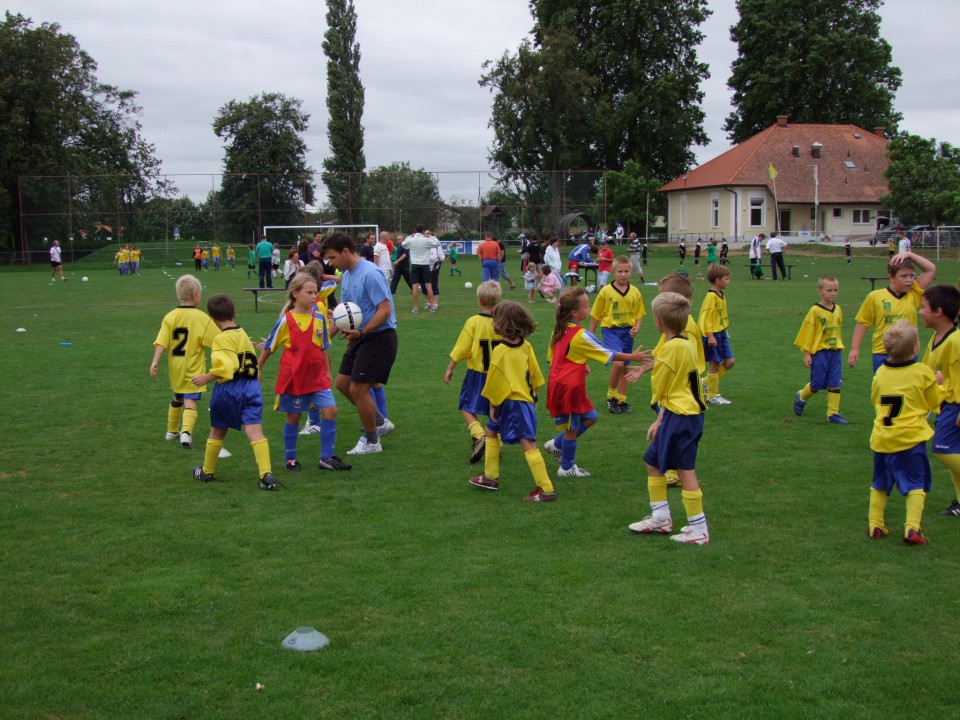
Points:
[(873, 280), (256, 294), (789, 267)]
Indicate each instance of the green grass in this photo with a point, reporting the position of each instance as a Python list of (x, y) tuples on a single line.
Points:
[(130, 590)]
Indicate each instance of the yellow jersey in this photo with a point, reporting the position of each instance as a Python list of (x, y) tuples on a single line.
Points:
[(185, 332), (902, 394), (584, 346), (215, 251), (821, 330), (675, 382), (691, 333), (713, 313), (233, 356), (476, 343), (279, 337), (944, 356), (884, 308), (514, 374), (134, 256), (613, 308)]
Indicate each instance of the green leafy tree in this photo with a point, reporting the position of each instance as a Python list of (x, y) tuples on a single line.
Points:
[(645, 96), (397, 197), (266, 177), (816, 61), (924, 178), (628, 194), (57, 119), (345, 99)]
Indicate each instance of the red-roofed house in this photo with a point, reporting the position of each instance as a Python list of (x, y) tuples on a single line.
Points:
[(829, 180)]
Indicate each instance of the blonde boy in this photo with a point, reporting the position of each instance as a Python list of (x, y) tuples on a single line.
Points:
[(714, 322), (184, 333), (819, 339), (475, 345), (619, 310), (903, 392), (675, 435)]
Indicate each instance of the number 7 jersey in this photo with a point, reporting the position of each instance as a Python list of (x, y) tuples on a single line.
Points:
[(902, 394)]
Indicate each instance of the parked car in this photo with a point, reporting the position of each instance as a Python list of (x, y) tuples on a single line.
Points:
[(919, 233), (883, 235)]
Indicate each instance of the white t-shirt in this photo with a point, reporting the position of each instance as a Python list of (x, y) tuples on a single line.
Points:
[(775, 245), (55, 254), (552, 258), (419, 246), (905, 245), (756, 249), (382, 253)]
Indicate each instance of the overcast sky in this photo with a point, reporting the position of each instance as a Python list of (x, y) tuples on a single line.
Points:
[(421, 60)]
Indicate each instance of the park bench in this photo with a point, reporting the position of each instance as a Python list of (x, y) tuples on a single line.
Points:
[(873, 280), (256, 294)]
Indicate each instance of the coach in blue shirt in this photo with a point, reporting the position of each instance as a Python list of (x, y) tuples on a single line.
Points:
[(264, 251)]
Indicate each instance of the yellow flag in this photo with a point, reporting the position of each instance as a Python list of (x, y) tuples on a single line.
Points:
[(773, 172)]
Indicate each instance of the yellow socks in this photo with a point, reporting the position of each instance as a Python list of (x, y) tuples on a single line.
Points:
[(174, 413), (611, 393), (210, 455), (657, 487), (692, 502), (833, 403), (878, 506), (953, 465), (261, 451), (915, 502), (713, 384), (537, 467), (476, 430), (491, 458), (806, 393), (189, 421)]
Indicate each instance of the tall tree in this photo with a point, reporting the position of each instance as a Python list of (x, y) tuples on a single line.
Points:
[(628, 195), (345, 107), (399, 197), (924, 178), (266, 177), (816, 61), (58, 119), (645, 103)]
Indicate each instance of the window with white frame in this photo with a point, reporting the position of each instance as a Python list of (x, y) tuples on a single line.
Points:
[(757, 210), (861, 217), (715, 210)]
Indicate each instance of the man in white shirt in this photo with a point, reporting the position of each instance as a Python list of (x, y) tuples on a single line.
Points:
[(756, 251), (56, 262), (382, 254), (418, 245), (904, 243), (775, 247)]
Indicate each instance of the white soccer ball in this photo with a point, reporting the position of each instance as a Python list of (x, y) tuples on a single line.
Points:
[(468, 285), (347, 316), (590, 288), (84, 278)]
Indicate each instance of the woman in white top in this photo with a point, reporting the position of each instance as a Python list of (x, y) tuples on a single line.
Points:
[(551, 255)]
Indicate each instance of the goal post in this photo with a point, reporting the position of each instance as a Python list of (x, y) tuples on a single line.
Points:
[(291, 234)]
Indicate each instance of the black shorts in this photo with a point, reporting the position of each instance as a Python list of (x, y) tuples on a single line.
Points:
[(420, 274), (370, 360), (55, 264)]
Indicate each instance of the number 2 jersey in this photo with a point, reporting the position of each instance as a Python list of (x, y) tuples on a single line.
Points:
[(902, 394), (185, 332)]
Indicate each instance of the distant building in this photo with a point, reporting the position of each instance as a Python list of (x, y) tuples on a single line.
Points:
[(829, 180)]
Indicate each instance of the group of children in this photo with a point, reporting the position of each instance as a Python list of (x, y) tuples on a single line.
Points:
[(202, 257), (127, 260)]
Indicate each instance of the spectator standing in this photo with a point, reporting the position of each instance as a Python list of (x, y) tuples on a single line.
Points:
[(775, 246), (264, 253), (56, 262), (489, 252), (418, 245)]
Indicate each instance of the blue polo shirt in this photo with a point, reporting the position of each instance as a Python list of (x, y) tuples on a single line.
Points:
[(366, 286), (264, 249)]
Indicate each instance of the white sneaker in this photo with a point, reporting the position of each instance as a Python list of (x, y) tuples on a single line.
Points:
[(309, 429), (415, 310), (686, 535), (718, 399), (385, 429), (224, 453), (171, 436), (365, 447), (186, 440), (650, 524), (551, 448), (573, 472)]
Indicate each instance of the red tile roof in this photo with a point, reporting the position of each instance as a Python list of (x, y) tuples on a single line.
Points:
[(747, 164)]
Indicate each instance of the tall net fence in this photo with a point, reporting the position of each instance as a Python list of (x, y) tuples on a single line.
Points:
[(94, 213)]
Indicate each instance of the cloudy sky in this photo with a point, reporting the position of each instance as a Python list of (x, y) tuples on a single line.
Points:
[(421, 60)]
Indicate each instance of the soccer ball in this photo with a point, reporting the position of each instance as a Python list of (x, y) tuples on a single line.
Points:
[(468, 285), (347, 316), (590, 288), (84, 278)]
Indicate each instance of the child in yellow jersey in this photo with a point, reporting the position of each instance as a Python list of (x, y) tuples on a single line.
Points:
[(938, 308), (231, 257), (475, 345), (900, 301), (619, 311), (511, 387), (237, 400), (714, 322), (184, 333), (134, 261), (675, 435), (903, 392), (120, 262), (215, 254), (822, 345), (205, 256)]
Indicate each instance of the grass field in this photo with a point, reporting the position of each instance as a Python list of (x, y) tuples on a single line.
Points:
[(132, 591)]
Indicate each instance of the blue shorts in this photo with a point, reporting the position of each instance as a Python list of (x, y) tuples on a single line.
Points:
[(878, 360), (946, 434), (719, 353), (675, 447), (187, 396), (618, 339), (573, 421), (470, 398), (302, 403), (516, 421), (905, 470), (236, 403), (825, 370)]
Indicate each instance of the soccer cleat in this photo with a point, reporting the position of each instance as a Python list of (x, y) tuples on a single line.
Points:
[(837, 419), (673, 479), (613, 406), (552, 448), (334, 463), (878, 533), (484, 483), (693, 538), (573, 472), (798, 406), (268, 482), (224, 453), (386, 428), (431, 308), (650, 524), (953, 510), (171, 436), (309, 429), (915, 537), (718, 399), (479, 446), (199, 474), (185, 440), (293, 465), (415, 310), (539, 495), (365, 447), (625, 408)]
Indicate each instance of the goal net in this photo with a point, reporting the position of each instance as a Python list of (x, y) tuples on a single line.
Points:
[(290, 235)]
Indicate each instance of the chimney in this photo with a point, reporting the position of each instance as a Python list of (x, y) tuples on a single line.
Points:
[(880, 132), (815, 149), (781, 120)]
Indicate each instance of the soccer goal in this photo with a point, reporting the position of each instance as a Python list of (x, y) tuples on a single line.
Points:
[(290, 235)]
